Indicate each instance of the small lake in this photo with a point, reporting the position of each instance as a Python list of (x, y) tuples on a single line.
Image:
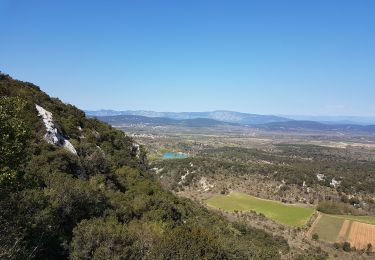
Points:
[(178, 155)]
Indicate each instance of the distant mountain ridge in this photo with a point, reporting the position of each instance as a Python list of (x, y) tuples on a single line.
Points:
[(219, 115), (281, 126), (293, 126), (337, 120), (161, 121)]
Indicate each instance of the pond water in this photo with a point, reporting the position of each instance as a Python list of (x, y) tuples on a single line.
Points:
[(178, 155)]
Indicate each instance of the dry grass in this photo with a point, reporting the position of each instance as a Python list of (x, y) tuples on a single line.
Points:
[(344, 229), (361, 235)]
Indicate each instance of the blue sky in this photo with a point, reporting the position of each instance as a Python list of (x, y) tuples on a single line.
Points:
[(268, 57)]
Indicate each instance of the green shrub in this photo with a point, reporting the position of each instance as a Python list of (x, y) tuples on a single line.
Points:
[(336, 208), (346, 247)]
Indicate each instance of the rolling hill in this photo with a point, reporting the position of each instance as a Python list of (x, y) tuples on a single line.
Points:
[(285, 126), (220, 115), (301, 126), (161, 121)]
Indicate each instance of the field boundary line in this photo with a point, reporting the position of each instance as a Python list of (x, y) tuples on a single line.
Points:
[(309, 232), (343, 230), (300, 205)]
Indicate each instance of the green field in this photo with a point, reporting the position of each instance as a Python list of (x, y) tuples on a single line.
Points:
[(328, 228), (363, 219), (291, 215)]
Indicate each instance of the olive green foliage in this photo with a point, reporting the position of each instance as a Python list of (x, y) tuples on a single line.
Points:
[(294, 164), (336, 208), (189, 243), (13, 139), (346, 247), (104, 239), (101, 203), (333, 163), (312, 254)]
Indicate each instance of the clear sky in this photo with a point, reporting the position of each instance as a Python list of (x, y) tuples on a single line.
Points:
[(269, 57)]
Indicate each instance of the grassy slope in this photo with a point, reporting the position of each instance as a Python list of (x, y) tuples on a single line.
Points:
[(287, 214)]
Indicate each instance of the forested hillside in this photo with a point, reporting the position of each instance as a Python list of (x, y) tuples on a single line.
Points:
[(73, 187)]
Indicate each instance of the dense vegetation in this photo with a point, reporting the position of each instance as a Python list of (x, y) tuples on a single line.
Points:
[(101, 203), (294, 164), (336, 208)]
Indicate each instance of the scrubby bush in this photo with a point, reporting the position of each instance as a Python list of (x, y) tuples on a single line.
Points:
[(337, 208), (101, 203), (103, 239), (346, 247)]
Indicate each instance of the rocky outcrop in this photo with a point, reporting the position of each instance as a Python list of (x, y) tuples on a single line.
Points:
[(53, 136), (135, 150)]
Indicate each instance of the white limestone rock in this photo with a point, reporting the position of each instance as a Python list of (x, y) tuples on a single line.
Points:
[(135, 149), (157, 170), (206, 186), (334, 183), (183, 177), (53, 136), (320, 177)]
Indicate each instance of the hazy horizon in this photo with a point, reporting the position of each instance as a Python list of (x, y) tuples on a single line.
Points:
[(226, 110), (320, 118), (315, 58)]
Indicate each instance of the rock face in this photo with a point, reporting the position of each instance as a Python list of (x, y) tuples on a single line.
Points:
[(334, 183), (135, 150), (320, 177), (183, 177), (53, 136), (206, 186)]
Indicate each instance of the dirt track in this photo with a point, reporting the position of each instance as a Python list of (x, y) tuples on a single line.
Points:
[(309, 232)]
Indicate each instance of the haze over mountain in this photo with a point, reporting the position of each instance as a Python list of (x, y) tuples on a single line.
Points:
[(355, 120), (301, 126), (257, 56), (238, 117), (219, 115), (162, 121), (227, 118)]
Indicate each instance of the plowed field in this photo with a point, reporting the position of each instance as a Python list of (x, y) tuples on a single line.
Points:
[(361, 235)]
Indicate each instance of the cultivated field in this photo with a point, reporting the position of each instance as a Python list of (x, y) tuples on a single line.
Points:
[(344, 231), (328, 228), (362, 219), (332, 229), (361, 235), (291, 215)]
